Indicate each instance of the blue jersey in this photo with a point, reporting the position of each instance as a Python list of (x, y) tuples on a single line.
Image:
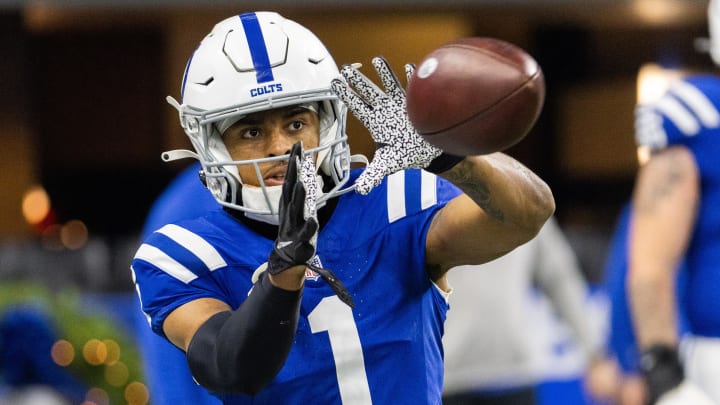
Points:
[(688, 115), (385, 350), (165, 366)]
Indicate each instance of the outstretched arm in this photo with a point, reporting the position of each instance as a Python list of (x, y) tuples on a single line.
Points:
[(503, 206)]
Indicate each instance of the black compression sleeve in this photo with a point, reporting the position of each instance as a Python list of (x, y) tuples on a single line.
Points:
[(242, 351)]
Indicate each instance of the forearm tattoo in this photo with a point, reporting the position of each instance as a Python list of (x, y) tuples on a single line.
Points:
[(477, 189), (663, 184)]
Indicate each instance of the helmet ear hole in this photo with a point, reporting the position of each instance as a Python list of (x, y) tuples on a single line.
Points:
[(203, 179), (192, 126), (218, 187)]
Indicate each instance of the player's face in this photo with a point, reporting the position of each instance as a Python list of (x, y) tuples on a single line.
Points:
[(267, 134)]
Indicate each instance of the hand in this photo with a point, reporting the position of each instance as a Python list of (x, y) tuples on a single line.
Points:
[(602, 379), (298, 227), (384, 114)]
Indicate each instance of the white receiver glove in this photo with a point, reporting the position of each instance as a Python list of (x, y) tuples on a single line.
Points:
[(384, 114)]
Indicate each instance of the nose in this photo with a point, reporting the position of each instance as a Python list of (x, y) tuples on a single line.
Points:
[(279, 143)]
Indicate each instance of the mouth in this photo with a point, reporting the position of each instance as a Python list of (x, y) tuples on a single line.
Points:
[(275, 176)]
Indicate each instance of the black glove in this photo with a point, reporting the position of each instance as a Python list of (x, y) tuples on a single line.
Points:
[(661, 369), (298, 227), (297, 232)]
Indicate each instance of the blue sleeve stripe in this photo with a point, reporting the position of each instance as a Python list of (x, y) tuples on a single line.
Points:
[(162, 261), (258, 50), (195, 244)]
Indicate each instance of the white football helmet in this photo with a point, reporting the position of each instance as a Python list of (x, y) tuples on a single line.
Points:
[(253, 62), (714, 30)]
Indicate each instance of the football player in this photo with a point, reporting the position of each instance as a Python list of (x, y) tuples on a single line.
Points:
[(675, 215), (317, 282)]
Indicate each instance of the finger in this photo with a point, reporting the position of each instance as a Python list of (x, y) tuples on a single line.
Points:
[(393, 159), (365, 87), (293, 166), (371, 176), (311, 186), (290, 176), (294, 201), (357, 105), (296, 150), (387, 76), (308, 230), (296, 206)]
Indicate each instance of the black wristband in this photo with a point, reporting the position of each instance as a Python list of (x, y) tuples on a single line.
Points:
[(661, 369), (242, 351), (443, 163)]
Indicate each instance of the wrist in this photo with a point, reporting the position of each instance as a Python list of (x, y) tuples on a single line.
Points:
[(443, 163), (292, 279), (661, 369)]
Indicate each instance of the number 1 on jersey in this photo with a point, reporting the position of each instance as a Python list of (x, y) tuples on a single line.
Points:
[(333, 316)]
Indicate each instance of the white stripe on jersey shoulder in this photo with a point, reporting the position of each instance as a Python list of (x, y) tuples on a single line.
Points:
[(161, 260), (698, 102), (428, 186), (195, 244), (679, 115), (396, 193), (396, 196)]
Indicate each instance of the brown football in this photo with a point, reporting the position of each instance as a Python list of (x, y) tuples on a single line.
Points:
[(475, 96)]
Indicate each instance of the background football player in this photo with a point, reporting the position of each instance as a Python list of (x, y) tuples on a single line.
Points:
[(675, 215)]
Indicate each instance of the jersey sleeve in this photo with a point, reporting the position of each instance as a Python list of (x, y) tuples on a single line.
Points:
[(172, 267), (686, 112)]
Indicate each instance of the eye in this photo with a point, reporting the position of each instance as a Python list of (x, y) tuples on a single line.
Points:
[(251, 133), (296, 125)]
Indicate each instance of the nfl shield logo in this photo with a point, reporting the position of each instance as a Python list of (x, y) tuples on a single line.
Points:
[(310, 274)]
